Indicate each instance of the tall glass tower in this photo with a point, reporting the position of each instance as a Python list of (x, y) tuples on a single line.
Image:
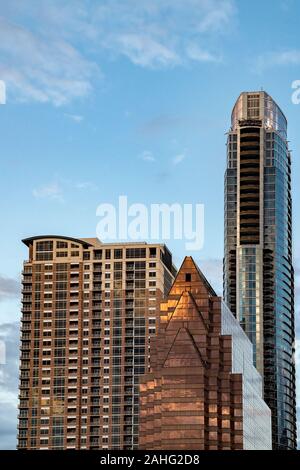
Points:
[(258, 270)]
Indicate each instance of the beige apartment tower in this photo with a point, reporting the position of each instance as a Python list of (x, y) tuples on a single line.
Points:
[(88, 312)]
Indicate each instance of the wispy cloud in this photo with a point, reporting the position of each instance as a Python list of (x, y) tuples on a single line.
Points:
[(9, 334), (145, 51), (196, 53), (44, 68), (52, 191), (147, 156), (75, 117), (277, 59), (158, 34), (179, 158), (58, 189), (51, 51), (9, 288), (86, 185)]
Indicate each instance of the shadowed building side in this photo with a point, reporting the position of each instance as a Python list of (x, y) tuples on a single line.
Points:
[(195, 394)]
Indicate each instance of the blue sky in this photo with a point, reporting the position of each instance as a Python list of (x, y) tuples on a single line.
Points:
[(115, 97)]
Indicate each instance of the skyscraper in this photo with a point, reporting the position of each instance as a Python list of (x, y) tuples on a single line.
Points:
[(258, 270), (88, 312), (203, 391)]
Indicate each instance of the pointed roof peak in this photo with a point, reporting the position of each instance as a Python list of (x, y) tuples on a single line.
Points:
[(188, 273), (186, 310)]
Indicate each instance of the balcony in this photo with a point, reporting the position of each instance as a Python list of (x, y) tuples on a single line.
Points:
[(96, 334), (97, 305), (26, 308), (26, 317), (94, 422), (25, 327), (27, 289)]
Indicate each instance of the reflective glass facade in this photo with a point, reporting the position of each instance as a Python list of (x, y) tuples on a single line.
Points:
[(256, 414), (258, 271)]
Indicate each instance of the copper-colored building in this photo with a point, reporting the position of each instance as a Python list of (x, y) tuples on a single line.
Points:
[(203, 391), (88, 312)]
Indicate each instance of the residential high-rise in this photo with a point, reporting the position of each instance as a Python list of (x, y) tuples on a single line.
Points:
[(258, 270), (88, 312), (203, 391)]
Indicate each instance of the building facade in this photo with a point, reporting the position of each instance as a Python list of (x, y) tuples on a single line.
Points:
[(89, 310), (203, 391), (258, 270)]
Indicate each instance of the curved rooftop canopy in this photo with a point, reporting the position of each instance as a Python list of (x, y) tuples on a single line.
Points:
[(30, 240)]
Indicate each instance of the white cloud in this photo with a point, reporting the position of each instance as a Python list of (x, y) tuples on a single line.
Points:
[(51, 191), (218, 15), (56, 190), (198, 54), (75, 117), (158, 33), (178, 158), (42, 68), (147, 156), (50, 51), (277, 59), (86, 185), (145, 51)]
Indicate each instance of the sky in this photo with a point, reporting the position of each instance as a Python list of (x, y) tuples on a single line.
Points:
[(122, 97)]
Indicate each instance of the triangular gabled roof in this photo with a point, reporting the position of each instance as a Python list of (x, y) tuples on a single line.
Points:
[(183, 351), (190, 266), (186, 310)]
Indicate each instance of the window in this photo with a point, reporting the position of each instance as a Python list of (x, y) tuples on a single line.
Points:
[(62, 267), (45, 256), (97, 254), (188, 277), (136, 253), (118, 254), (61, 245), (44, 246)]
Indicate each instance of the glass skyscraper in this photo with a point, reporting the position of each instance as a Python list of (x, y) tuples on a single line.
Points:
[(258, 270)]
